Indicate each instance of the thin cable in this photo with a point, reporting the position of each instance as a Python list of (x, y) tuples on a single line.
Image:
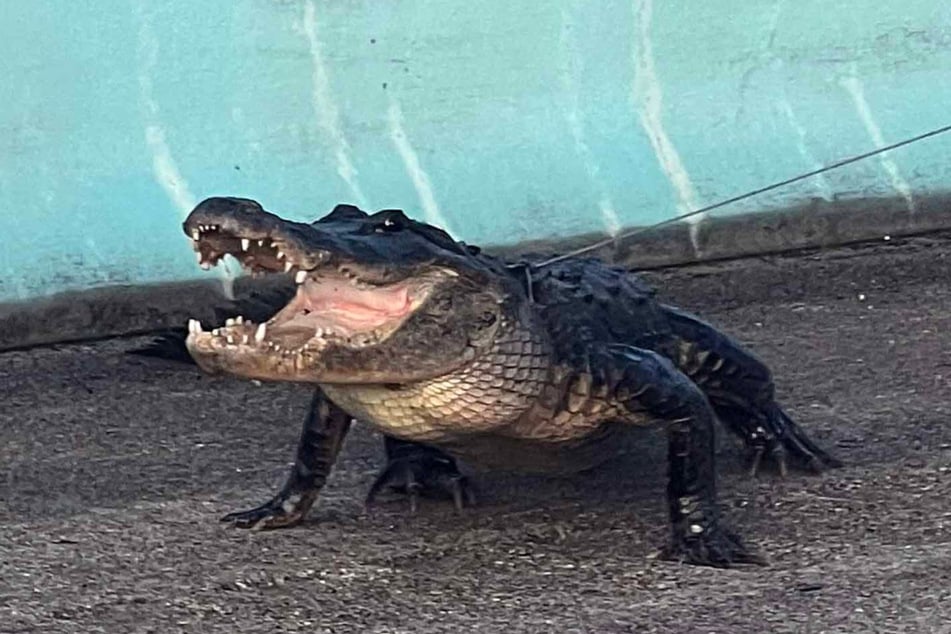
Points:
[(750, 194)]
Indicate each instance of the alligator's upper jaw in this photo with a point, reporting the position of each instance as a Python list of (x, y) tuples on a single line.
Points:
[(256, 250)]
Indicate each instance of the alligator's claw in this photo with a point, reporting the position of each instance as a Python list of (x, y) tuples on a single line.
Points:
[(463, 493), (774, 454), (717, 547), (277, 512), (420, 471), (776, 439)]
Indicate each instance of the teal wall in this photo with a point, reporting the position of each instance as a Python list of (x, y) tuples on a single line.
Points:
[(499, 120)]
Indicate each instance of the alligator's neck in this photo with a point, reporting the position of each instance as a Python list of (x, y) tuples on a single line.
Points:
[(486, 394)]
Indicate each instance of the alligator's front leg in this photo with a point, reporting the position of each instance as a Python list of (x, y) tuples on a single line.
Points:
[(417, 469), (646, 383), (325, 428)]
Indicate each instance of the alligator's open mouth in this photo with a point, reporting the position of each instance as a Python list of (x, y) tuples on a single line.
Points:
[(333, 304)]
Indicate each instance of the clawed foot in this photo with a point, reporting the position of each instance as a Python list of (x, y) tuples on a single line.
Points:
[(715, 546), (279, 512), (778, 440), (420, 471)]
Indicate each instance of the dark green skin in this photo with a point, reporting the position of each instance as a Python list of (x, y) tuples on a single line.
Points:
[(599, 328)]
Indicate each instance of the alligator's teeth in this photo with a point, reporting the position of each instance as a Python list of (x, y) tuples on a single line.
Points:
[(245, 339), (279, 255), (230, 339), (196, 234), (288, 266), (229, 321), (301, 277), (199, 258), (362, 340), (216, 332), (260, 332), (260, 243), (315, 344), (239, 319), (319, 332), (245, 244), (205, 266), (194, 326)]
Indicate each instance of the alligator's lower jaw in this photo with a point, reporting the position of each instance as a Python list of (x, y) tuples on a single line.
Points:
[(234, 350), (242, 348)]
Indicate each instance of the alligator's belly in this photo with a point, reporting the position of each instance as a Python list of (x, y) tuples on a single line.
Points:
[(493, 434), (422, 417)]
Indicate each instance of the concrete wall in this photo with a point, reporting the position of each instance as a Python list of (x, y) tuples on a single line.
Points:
[(500, 121)]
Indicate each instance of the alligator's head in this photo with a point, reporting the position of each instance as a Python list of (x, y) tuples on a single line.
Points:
[(380, 298)]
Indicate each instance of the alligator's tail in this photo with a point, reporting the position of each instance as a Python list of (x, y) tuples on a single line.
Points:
[(258, 306)]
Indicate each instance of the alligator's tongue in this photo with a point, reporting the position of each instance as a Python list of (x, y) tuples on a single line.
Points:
[(334, 304)]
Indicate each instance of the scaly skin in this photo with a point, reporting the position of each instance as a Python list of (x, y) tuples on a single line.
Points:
[(452, 354)]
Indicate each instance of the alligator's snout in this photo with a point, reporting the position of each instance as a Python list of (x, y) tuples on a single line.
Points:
[(228, 214), (260, 240)]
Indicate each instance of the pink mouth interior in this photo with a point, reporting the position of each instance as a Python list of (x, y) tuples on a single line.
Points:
[(336, 305)]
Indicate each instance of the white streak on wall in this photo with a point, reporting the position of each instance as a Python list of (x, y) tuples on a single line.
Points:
[(328, 115), (822, 184), (853, 85), (164, 167), (167, 174), (166, 171), (648, 97), (414, 169), (608, 214), (573, 116)]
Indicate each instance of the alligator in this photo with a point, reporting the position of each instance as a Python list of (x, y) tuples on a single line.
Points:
[(456, 355)]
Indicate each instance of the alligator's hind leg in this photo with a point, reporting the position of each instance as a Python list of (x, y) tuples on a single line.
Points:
[(417, 469), (740, 388), (325, 427), (650, 387)]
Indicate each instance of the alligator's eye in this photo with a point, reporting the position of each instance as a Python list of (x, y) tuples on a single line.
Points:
[(389, 224)]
